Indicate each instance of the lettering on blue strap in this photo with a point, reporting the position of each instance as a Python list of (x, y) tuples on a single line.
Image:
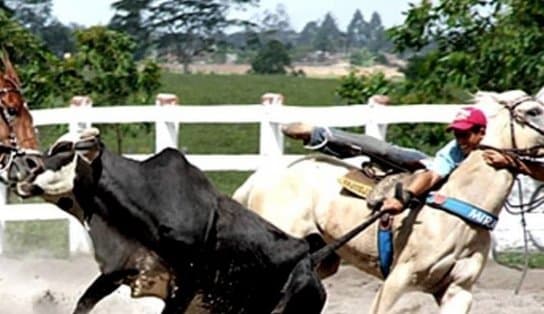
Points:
[(464, 210)]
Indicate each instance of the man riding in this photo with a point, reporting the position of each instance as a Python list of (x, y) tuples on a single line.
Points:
[(468, 128)]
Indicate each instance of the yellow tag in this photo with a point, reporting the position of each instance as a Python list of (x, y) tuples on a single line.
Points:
[(355, 187)]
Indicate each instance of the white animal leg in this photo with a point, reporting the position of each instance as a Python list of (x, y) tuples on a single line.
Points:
[(376, 301), (396, 284), (456, 299)]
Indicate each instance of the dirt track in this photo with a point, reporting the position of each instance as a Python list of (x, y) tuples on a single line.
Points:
[(47, 286)]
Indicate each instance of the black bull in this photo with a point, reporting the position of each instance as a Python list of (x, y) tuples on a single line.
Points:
[(233, 259)]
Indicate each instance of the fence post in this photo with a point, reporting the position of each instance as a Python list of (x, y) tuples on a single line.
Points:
[(373, 128), (3, 194), (166, 133), (271, 137), (80, 102), (75, 234), (80, 241)]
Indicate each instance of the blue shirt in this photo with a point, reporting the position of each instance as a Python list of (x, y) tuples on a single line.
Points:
[(447, 159)]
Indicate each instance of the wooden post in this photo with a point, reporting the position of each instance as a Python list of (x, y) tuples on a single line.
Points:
[(80, 102), (80, 242), (166, 133), (271, 137), (3, 196), (374, 129)]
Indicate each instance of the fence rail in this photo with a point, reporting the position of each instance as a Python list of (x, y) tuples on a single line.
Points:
[(269, 115)]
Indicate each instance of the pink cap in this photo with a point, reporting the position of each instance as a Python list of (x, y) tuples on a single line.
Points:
[(466, 118)]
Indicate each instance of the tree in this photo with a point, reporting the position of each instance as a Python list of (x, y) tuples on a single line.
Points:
[(480, 44), (33, 14), (276, 25), (362, 57), (328, 37), (6, 9), (277, 21), (357, 35), (187, 28), (377, 40), (36, 66), (273, 58), (36, 16), (131, 17), (58, 38), (104, 68), (309, 33)]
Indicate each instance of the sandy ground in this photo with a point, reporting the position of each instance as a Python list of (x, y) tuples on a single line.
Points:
[(48, 286)]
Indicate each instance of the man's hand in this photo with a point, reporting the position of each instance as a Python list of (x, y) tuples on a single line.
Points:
[(497, 160), (393, 205)]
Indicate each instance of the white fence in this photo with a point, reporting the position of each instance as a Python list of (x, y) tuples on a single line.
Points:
[(270, 114)]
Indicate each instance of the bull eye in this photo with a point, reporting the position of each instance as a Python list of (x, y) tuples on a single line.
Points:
[(534, 112)]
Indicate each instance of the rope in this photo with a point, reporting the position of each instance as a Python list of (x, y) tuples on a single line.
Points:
[(523, 209), (525, 253)]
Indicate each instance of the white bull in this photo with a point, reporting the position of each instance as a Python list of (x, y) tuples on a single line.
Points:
[(434, 252)]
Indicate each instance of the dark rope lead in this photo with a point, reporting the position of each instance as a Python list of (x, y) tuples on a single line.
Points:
[(525, 245), (525, 253)]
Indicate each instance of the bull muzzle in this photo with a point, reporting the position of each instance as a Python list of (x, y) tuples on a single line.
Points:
[(25, 167)]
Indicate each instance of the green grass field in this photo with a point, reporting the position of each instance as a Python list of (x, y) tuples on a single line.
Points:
[(516, 259), (47, 238), (201, 89)]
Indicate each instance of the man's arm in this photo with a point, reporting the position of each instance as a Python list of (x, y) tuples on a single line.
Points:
[(534, 169), (421, 184), (442, 165)]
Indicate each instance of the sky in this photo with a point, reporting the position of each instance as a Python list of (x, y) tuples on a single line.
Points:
[(98, 12)]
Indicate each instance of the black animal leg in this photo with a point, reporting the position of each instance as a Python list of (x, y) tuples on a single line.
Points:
[(100, 288), (303, 291), (179, 301)]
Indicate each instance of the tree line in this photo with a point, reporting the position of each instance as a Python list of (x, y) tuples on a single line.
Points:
[(182, 30), (452, 46), (318, 40)]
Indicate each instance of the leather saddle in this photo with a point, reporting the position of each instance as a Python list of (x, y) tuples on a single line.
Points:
[(387, 164)]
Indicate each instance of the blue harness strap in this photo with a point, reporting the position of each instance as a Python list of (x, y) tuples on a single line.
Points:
[(385, 244), (463, 210), (385, 250)]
